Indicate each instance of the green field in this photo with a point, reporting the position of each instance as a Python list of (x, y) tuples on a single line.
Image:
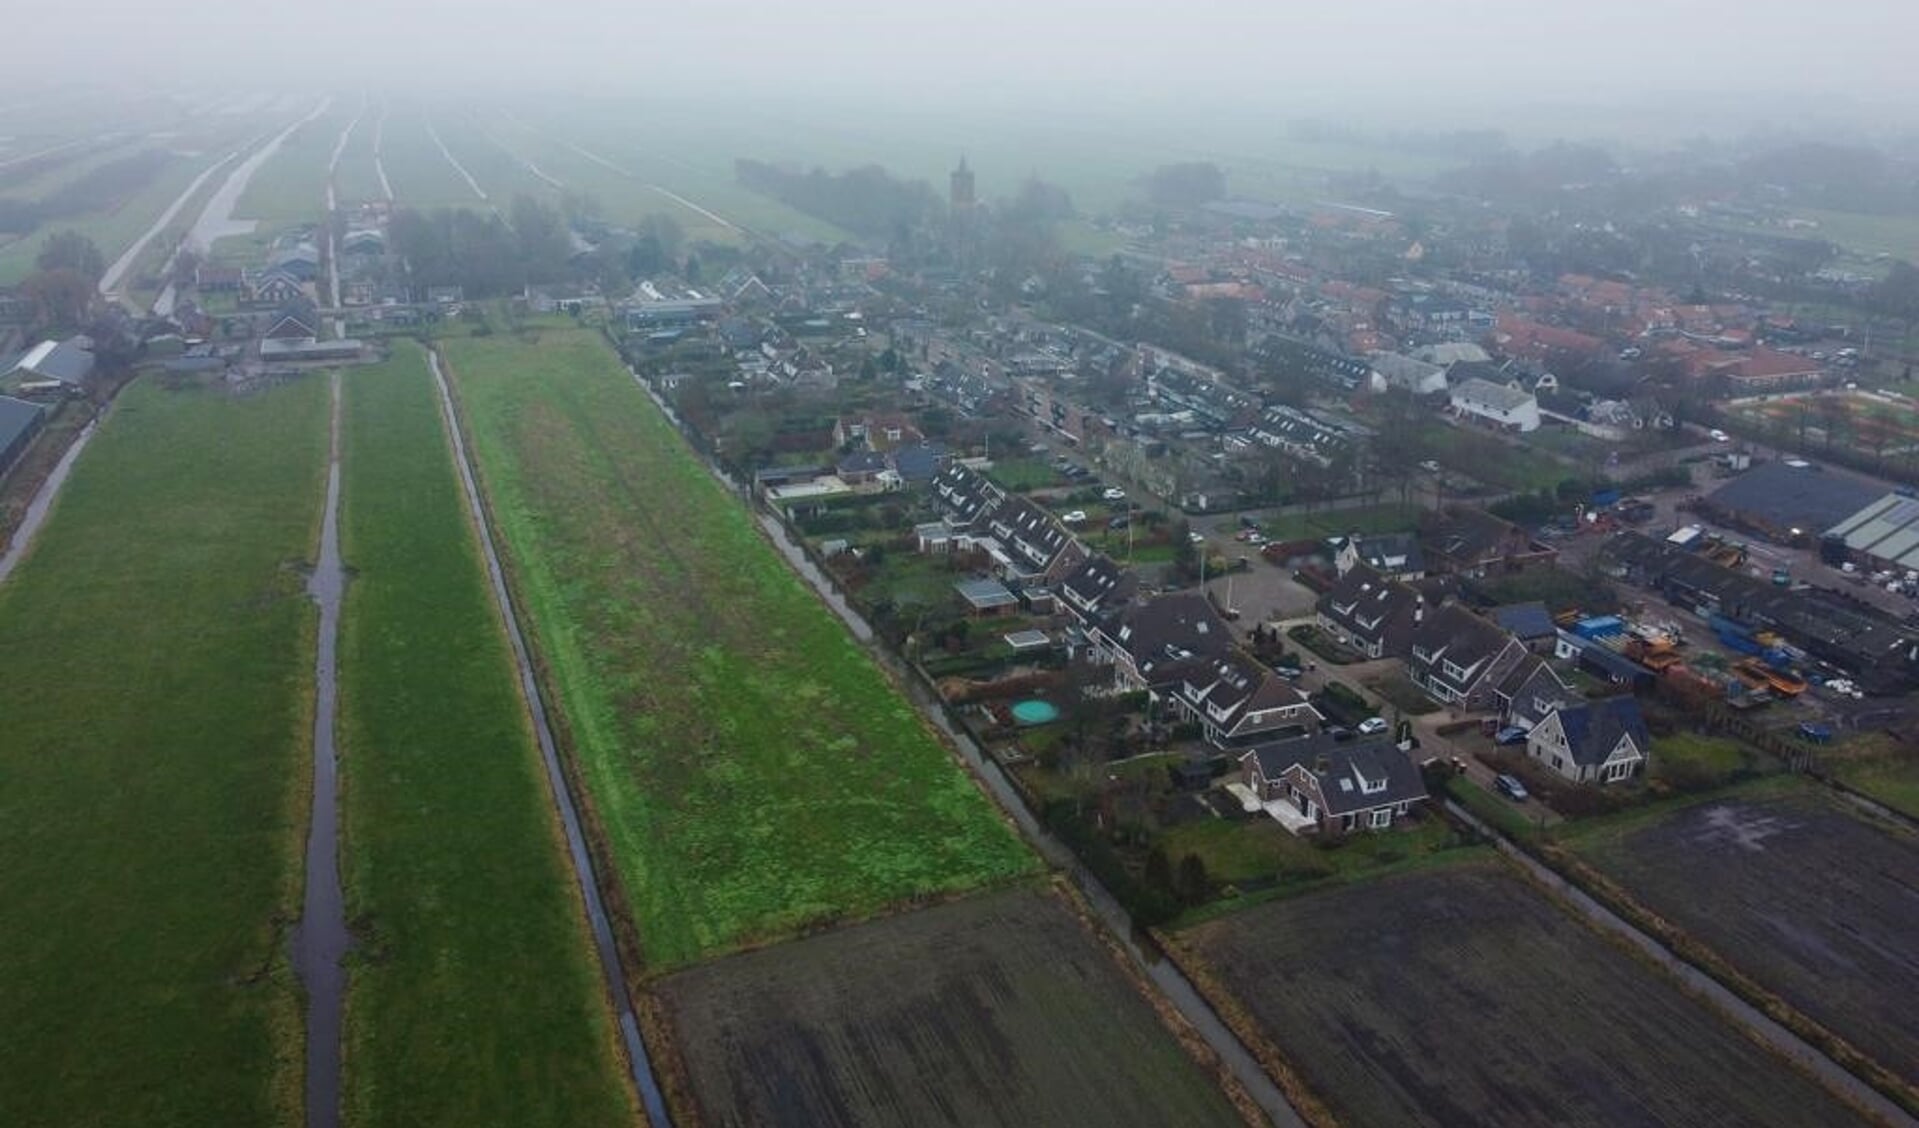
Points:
[(292, 184), (750, 770), (422, 176), (157, 649), (475, 998), (355, 179), (112, 231)]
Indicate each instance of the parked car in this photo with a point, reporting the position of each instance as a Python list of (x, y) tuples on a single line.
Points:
[(1195, 538), (1118, 523), (1340, 733), (1289, 673), (1718, 436), (1372, 726), (1510, 787), (1075, 517), (1512, 734), (1248, 521), (1114, 493), (1429, 466)]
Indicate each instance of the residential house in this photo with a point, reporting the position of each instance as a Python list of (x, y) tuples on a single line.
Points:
[(1307, 435), (921, 461), (876, 432), (862, 467), (1500, 406), (1395, 556), (1098, 584), (1370, 613), (1318, 784), (1594, 741), (1464, 541), (269, 288), (1144, 642), (302, 261), (1035, 544), (1460, 659), (214, 278), (1533, 692), (1238, 702)]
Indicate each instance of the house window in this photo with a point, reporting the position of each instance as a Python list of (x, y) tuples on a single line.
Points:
[(1382, 818)]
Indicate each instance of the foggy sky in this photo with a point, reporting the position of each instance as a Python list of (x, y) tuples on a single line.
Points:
[(1437, 57)]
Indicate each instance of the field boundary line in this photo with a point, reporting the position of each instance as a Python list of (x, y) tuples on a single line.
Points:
[(612, 965), (1790, 1034)]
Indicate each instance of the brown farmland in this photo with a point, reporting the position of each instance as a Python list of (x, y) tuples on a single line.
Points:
[(1812, 903), (1001, 1009), (1463, 996)]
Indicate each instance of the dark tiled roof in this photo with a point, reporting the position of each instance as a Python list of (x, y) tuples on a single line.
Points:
[(1169, 628), (1366, 602), (1593, 729), (1098, 582), (1342, 766)]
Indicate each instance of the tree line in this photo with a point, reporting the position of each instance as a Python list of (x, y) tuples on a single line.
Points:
[(486, 254), (865, 201)]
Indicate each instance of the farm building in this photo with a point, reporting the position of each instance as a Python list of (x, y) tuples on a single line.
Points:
[(69, 362), (19, 422), (1788, 501), (1883, 534)]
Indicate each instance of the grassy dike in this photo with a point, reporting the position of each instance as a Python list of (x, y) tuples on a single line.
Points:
[(156, 653), (473, 997)]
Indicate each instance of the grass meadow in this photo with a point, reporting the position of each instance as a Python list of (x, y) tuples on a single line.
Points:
[(751, 771), (157, 648), (474, 997)]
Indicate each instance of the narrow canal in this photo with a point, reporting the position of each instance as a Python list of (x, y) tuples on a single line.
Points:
[(320, 941), (609, 952)]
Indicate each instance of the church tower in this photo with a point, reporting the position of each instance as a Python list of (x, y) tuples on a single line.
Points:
[(963, 195)]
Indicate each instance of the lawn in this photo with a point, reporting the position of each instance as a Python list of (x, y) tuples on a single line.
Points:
[(158, 646), (1002, 1009), (1878, 765), (1389, 517), (475, 997), (1462, 996), (751, 771), (1020, 475)]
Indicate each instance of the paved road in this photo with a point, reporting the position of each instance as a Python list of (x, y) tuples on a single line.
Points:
[(611, 967)]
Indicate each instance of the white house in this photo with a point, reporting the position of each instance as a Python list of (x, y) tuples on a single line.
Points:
[(1594, 742), (1497, 405)]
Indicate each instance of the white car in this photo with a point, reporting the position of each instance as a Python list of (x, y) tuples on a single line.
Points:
[(1114, 493), (1430, 466), (1372, 726), (1718, 436), (1075, 517)]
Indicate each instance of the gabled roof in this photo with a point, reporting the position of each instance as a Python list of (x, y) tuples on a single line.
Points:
[(965, 495), (1031, 532), (1593, 729), (862, 462), (1174, 627), (1454, 634), (1494, 397), (1366, 602), (1097, 583), (1232, 691), (1535, 689), (1804, 497), (1341, 769), (1390, 552)]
